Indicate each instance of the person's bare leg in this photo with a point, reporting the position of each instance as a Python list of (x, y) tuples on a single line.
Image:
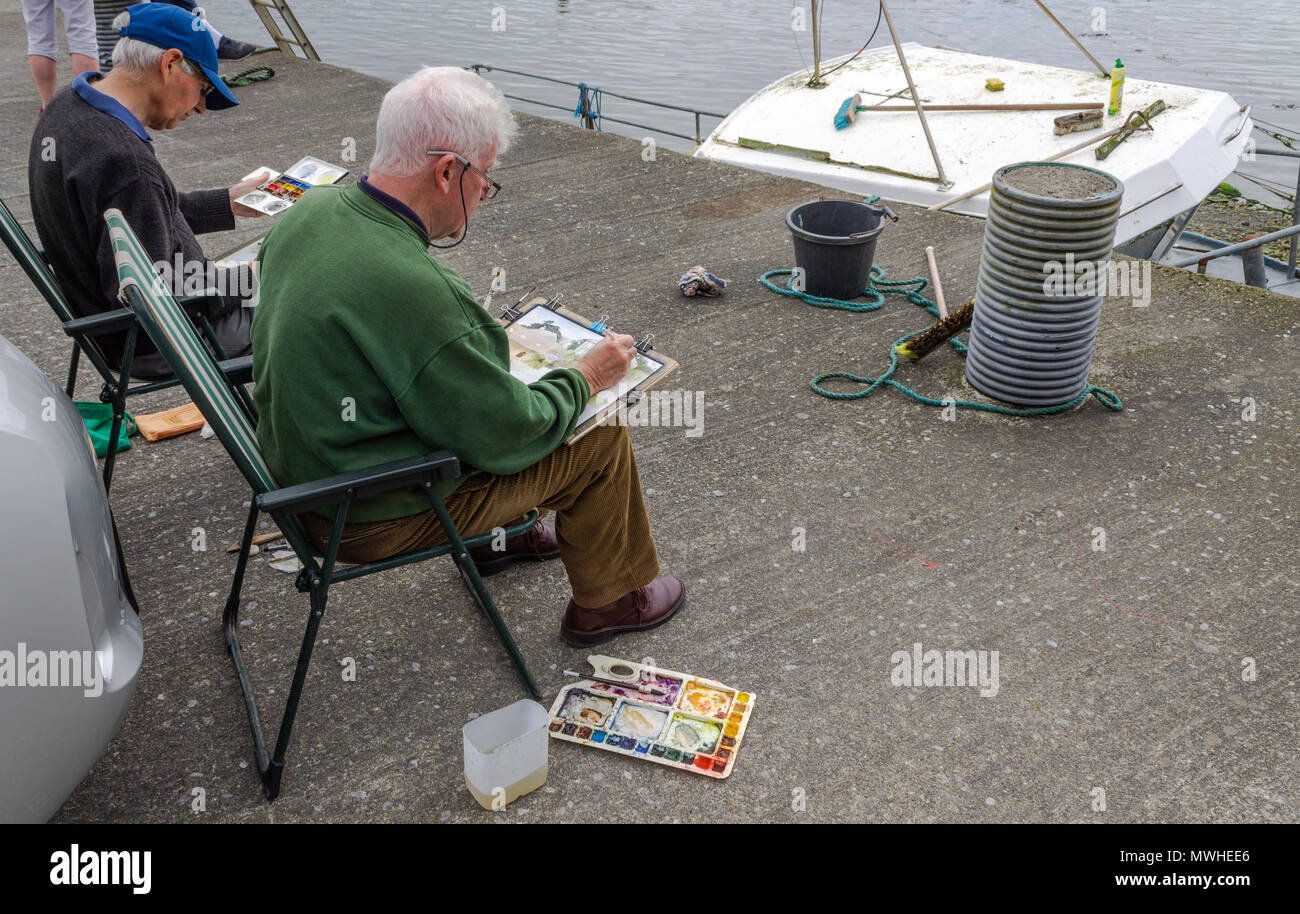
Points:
[(45, 73), (81, 63)]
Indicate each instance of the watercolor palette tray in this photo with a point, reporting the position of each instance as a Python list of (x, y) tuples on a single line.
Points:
[(695, 724)]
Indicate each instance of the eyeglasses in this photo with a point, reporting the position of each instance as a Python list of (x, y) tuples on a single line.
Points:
[(205, 85), (493, 188)]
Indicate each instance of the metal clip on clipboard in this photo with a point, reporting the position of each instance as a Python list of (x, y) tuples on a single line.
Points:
[(513, 313)]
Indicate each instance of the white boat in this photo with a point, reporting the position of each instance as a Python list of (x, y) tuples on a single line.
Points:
[(788, 129)]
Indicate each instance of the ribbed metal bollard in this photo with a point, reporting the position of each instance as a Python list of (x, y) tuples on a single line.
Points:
[(1047, 244)]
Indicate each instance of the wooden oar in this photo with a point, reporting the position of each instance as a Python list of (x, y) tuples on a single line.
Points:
[(1028, 106)]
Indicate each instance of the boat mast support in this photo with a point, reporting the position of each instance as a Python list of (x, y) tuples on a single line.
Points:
[(1095, 62), (916, 96)]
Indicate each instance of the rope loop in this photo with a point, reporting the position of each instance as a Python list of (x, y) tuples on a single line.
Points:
[(589, 98), (249, 76), (911, 289)]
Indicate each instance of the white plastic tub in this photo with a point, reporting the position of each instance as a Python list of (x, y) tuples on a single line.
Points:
[(505, 753)]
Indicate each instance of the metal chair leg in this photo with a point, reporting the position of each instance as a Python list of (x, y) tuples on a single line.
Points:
[(270, 768), (272, 774), (119, 405), (241, 565), (466, 566), (230, 625), (72, 368), (122, 570)]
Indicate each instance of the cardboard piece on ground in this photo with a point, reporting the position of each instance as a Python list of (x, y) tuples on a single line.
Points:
[(170, 422)]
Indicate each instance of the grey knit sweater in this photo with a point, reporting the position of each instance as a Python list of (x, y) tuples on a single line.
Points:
[(84, 161)]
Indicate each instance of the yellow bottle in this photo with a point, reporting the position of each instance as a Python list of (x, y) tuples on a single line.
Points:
[(1116, 87)]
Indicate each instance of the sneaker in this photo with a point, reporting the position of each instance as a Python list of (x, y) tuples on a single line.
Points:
[(233, 49)]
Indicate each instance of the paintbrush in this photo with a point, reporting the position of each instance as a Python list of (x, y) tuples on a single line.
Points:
[(942, 330), (511, 313), (640, 687), (531, 290)]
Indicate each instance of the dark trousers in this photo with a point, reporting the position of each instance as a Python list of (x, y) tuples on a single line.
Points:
[(231, 330)]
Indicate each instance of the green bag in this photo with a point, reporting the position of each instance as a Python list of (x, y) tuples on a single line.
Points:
[(99, 423)]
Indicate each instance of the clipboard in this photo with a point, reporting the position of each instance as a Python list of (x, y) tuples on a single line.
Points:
[(544, 336)]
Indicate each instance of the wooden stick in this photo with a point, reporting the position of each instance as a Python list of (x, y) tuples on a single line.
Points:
[(817, 48), (938, 286), (1029, 106), (916, 96), (1052, 158), (1100, 69), (260, 539)]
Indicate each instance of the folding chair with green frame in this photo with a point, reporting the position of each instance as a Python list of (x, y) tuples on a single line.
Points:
[(85, 330), (164, 321)]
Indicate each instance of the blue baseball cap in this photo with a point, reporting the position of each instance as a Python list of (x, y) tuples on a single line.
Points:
[(165, 26)]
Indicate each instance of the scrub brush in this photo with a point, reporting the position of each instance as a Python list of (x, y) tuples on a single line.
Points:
[(945, 328), (848, 111)]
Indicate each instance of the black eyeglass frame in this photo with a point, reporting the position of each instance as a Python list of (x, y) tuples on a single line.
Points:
[(206, 88), (494, 187)]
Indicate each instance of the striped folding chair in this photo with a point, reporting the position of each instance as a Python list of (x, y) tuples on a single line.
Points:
[(165, 322), (85, 331)]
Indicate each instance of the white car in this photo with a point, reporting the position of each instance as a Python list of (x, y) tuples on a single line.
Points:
[(70, 639)]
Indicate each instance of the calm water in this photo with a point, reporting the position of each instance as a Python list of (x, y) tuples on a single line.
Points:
[(713, 54)]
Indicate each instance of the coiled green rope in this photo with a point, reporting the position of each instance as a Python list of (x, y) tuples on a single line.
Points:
[(877, 288), (249, 76)]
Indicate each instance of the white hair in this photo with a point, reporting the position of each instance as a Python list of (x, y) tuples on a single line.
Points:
[(440, 108), (139, 57)]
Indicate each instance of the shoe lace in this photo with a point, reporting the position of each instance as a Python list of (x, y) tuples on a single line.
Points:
[(533, 539), (641, 599)]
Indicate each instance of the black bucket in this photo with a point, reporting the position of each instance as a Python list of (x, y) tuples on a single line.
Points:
[(835, 265)]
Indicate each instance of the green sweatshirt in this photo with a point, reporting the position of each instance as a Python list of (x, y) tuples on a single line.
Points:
[(366, 350)]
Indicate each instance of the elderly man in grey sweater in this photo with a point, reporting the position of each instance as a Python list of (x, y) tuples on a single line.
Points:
[(91, 151)]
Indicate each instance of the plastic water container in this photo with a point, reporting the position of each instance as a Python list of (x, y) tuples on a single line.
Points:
[(505, 753)]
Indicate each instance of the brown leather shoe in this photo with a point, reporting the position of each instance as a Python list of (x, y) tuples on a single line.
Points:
[(536, 545), (639, 610)]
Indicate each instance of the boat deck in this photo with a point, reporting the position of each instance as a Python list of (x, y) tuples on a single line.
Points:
[(1119, 669), (789, 129)]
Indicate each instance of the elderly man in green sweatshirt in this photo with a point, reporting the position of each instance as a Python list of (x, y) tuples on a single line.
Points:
[(367, 349)]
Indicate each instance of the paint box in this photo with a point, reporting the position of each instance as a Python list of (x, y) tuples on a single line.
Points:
[(696, 725), (281, 191)]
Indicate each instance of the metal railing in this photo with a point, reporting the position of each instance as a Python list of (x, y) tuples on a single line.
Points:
[(588, 108), (1253, 243)]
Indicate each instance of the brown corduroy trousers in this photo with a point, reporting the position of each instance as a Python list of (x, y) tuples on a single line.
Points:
[(591, 485)]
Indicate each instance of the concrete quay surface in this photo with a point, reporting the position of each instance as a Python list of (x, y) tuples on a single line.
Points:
[(1119, 669)]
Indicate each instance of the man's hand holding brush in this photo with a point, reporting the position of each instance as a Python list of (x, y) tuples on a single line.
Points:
[(606, 363)]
